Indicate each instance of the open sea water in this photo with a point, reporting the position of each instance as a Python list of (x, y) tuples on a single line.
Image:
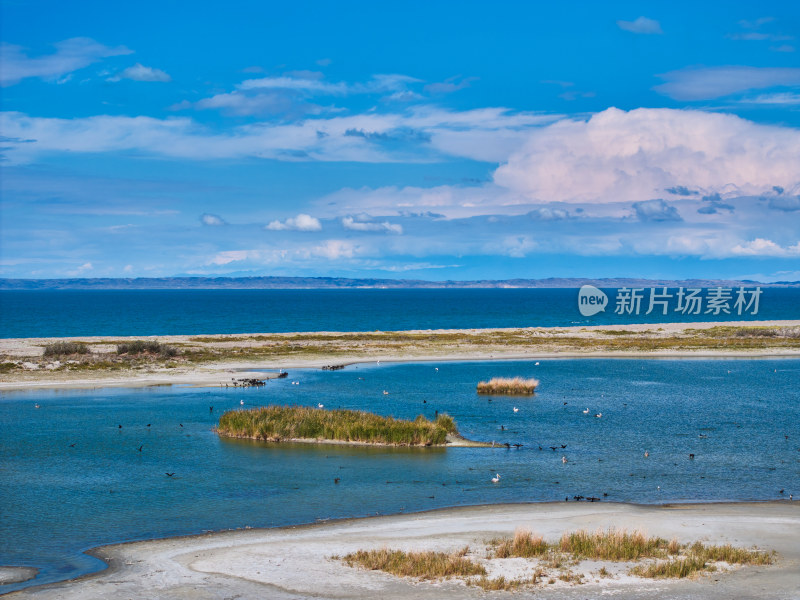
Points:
[(71, 478), (63, 313)]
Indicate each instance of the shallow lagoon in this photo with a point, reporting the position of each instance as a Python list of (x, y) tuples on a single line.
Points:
[(58, 500)]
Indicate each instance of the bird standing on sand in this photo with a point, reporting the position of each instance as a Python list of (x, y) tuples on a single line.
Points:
[(496, 478)]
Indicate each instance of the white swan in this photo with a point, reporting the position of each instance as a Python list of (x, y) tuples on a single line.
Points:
[(496, 478), (564, 459), (586, 412), (598, 415), (320, 405), (516, 409)]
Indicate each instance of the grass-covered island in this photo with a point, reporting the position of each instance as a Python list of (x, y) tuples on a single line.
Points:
[(508, 386), (305, 424)]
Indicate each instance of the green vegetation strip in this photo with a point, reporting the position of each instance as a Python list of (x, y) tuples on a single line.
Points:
[(276, 423)]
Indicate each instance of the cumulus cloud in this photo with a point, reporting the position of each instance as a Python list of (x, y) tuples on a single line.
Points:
[(641, 25), (714, 82), (360, 224), (139, 72), (631, 156), (764, 247), (301, 222), (212, 220), (656, 210), (70, 55)]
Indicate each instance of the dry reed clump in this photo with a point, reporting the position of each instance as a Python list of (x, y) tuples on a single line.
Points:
[(523, 545), (613, 544), (65, 349), (696, 559), (421, 565), (275, 423), (509, 386)]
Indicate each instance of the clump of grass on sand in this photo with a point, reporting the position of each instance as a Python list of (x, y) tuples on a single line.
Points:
[(613, 544), (523, 545), (422, 565), (551, 562), (146, 347), (276, 423), (508, 386), (65, 349), (699, 558)]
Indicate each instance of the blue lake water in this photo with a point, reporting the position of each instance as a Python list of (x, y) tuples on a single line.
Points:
[(56, 313), (57, 500)]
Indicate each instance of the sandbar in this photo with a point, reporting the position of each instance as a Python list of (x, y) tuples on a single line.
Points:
[(296, 562), (318, 349)]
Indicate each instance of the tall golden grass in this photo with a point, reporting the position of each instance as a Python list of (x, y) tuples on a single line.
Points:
[(508, 386)]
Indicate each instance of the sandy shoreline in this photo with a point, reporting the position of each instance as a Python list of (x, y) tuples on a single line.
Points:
[(220, 372), (296, 562)]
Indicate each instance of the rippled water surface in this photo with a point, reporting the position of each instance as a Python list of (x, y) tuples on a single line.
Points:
[(738, 417)]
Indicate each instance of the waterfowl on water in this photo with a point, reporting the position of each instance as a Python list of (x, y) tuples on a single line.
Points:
[(496, 478)]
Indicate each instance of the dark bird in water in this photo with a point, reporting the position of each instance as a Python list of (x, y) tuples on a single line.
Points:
[(517, 446), (148, 424), (211, 409), (780, 492), (119, 426), (437, 413), (140, 448), (424, 401), (502, 427), (691, 456), (563, 445), (553, 448), (169, 474), (593, 499), (181, 424), (540, 447), (336, 480), (72, 445)]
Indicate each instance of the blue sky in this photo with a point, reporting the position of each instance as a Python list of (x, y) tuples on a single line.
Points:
[(449, 140)]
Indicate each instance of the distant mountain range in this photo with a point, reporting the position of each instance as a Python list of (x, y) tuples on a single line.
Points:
[(267, 283)]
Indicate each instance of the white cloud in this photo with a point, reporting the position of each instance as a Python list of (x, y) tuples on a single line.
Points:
[(764, 247), (424, 133), (301, 222), (714, 82), (358, 224), (782, 98), (70, 55), (212, 220), (139, 72), (229, 256), (632, 156), (641, 25)]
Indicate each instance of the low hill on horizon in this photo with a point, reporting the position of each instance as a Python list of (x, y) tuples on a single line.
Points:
[(244, 283)]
